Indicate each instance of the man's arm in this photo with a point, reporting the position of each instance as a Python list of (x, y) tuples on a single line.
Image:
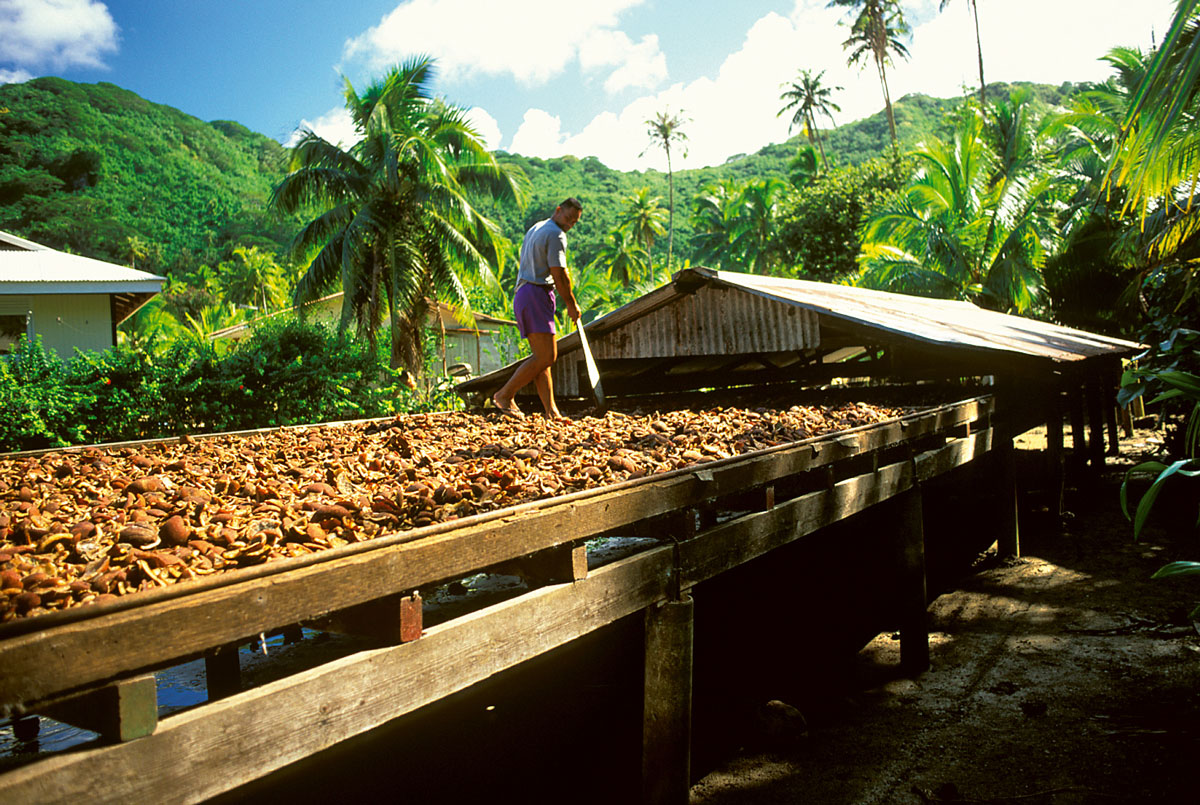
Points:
[(562, 284)]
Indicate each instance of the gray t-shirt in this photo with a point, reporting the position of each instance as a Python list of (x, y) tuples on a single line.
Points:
[(544, 245)]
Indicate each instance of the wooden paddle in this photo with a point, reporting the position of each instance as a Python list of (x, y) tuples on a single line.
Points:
[(593, 372)]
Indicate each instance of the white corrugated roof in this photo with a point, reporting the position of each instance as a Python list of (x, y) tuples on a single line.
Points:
[(30, 268)]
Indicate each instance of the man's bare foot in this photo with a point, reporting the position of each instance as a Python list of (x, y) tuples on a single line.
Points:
[(508, 408), (556, 416)]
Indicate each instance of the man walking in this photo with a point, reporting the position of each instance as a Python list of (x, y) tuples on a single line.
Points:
[(543, 271)]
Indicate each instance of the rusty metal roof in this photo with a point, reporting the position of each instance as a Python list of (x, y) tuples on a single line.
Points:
[(943, 322), (739, 304)]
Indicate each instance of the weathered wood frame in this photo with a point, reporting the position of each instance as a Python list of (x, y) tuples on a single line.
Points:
[(215, 747)]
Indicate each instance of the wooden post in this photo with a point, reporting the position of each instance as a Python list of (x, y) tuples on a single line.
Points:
[(391, 619), (1054, 448), (1079, 452), (914, 626), (223, 672), (1108, 381), (1008, 541), (121, 711), (1095, 401), (667, 704)]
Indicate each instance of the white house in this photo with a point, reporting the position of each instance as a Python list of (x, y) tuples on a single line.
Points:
[(69, 300)]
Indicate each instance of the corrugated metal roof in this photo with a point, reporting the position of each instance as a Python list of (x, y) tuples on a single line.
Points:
[(880, 317), (942, 322), (30, 268)]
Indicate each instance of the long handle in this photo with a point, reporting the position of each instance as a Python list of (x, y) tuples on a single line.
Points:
[(593, 372)]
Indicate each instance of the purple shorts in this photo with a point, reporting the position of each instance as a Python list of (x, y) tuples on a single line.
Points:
[(534, 309)]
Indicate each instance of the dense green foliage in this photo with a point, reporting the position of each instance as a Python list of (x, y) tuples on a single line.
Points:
[(287, 373), (391, 219), (88, 167)]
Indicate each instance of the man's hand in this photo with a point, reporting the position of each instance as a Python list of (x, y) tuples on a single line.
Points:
[(573, 310)]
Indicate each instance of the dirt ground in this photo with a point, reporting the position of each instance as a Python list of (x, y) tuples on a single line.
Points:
[(1064, 676)]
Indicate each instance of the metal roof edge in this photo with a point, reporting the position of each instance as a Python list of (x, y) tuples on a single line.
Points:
[(81, 287)]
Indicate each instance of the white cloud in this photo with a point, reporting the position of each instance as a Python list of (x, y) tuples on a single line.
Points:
[(486, 126), (540, 134), (522, 38), (17, 76), (61, 33), (334, 126), (734, 111), (640, 66)]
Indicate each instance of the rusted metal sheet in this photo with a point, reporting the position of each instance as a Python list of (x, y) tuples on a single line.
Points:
[(943, 322), (712, 321), (705, 313)]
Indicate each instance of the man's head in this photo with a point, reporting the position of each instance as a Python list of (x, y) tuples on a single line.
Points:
[(568, 213)]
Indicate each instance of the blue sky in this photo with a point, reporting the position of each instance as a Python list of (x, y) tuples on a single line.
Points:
[(550, 79)]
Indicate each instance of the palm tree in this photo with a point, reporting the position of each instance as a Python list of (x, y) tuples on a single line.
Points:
[(643, 218), (713, 219), (395, 221), (754, 227), (253, 279), (809, 99), (664, 129), (1157, 150), (876, 31), (624, 258), (974, 5), (976, 223)]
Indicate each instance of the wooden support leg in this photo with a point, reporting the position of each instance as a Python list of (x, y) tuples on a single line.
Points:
[(223, 672), (1095, 402), (914, 627), (1054, 449), (567, 563), (667, 710), (1108, 388), (1079, 451), (121, 711), (1009, 538), (391, 619)]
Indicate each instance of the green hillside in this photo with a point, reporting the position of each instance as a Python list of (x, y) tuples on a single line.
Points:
[(86, 167)]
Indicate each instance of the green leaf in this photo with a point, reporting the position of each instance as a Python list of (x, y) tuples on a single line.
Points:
[(1177, 569)]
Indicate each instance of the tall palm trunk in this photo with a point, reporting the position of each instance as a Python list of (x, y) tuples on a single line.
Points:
[(670, 210), (815, 137), (979, 50), (887, 100)]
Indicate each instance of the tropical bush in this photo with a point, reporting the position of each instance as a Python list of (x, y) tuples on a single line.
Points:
[(285, 373)]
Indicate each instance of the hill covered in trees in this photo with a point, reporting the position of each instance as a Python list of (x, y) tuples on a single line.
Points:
[(98, 170)]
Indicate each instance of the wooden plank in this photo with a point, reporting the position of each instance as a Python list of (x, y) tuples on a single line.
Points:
[(667, 703), (205, 751), (1008, 540), (40, 665), (199, 753), (736, 541), (122, 711), (913, 596), (391, 619)]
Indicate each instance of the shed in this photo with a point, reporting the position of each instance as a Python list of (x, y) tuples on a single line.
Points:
[(69, 300), (710, 329)]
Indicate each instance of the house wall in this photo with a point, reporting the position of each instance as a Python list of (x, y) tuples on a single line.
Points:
[(65, 321)]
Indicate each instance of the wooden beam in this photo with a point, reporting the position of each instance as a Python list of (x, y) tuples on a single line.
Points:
[(204, 751), (1095, 405), (667, 703), (391, 619), (910, 563), (122, 711), (1009, 538), (44, 664)]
